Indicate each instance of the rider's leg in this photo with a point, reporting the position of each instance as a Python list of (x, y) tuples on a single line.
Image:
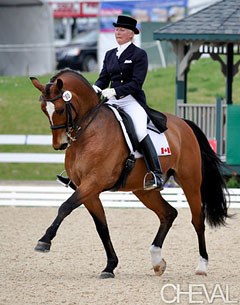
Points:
[(151, 158), (139, 118), (66, 181)]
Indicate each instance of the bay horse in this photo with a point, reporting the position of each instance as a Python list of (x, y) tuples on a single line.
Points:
[(95, 156)]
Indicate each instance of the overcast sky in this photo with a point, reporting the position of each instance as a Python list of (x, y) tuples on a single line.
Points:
[(195, 5)]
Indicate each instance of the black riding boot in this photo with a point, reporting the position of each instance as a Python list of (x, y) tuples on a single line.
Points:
[(153, 178), (66, 182)]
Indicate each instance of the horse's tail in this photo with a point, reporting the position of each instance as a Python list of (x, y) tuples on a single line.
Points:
[(213, 186)]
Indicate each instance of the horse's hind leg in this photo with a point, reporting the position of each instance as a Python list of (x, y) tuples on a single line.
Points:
[(95, 208), (166, 214), (193, 194), (64, 210)]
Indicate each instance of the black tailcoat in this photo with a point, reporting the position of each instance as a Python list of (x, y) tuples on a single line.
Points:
[(125, 74)]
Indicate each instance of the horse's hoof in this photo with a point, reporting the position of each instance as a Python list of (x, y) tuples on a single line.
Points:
[(106, 275), (42, 247), (160, 268)]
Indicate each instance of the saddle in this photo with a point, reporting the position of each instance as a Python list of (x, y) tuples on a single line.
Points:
[(160, 122)]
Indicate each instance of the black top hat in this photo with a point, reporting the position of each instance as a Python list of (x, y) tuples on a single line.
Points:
[(127, 23)]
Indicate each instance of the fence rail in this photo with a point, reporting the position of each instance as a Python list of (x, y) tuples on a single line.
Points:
[(31, 158), (44, 195), (40, 140), (22, 139)]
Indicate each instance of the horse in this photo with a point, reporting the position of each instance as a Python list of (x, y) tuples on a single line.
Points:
[(95, 155)]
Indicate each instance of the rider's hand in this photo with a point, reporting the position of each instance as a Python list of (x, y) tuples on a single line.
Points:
[(97, 89), (108, 93)]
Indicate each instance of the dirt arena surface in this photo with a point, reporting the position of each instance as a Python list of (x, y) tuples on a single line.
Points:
[(68, 274)]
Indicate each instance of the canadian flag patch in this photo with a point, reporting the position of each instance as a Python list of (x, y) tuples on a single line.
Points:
[(165, 151)]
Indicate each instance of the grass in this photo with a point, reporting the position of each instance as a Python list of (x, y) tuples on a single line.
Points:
[(21, 114), (20, 106)]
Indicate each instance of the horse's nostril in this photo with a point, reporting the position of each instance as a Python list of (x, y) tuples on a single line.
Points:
[(63, 146)]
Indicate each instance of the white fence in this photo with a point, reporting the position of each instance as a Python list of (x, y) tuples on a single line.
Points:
[(41, 140), (31, 158), (22, 139), (51, 195)]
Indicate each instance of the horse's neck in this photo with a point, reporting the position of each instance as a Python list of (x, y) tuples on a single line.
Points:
[(87, 99), (86, 103)]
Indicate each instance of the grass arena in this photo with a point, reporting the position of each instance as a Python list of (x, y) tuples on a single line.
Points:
[(69, 273)]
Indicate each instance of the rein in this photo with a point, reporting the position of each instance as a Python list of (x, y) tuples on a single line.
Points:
[(93, 112)]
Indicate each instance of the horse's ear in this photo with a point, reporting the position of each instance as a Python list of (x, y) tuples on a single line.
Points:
[(37, 84), (59, 84)]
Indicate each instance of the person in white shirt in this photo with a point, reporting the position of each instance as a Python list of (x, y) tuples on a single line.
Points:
[(125, 69)]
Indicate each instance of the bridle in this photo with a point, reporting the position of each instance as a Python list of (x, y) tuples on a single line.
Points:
[(70, 125)]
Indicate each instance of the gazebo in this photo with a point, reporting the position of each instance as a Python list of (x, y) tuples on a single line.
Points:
[(214, 30)]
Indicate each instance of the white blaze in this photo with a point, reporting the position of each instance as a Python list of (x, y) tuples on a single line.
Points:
[(50, 109)]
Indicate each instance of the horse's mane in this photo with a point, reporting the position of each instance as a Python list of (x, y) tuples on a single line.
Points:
[(76, 73)]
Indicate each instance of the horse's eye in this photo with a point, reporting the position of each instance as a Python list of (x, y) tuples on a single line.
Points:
[(60, 111)]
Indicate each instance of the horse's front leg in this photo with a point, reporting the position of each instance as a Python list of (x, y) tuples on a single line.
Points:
[(95, 208), (64, 210)]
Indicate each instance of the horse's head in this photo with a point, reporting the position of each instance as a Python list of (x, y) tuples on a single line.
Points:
[(58, 106), (62, 107)]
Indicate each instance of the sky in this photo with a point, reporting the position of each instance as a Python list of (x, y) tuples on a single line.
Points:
[(196, 5)]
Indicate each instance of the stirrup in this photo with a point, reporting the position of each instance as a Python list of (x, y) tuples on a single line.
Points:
[(152, 183)]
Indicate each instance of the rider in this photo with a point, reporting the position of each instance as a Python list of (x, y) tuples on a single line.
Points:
[(125, 69)]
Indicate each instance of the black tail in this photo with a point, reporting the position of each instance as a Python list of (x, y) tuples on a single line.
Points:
[(213, 185)]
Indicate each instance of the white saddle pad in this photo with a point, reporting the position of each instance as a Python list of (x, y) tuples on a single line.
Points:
[(159, 139)]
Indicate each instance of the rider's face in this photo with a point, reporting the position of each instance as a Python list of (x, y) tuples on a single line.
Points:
[(123, 35)]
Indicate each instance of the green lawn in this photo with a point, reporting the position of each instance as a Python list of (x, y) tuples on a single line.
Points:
[(21, 114)]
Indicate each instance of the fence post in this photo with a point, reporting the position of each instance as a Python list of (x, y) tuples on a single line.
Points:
[(218, 124)]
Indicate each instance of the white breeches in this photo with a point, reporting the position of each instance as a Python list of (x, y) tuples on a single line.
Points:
[(136, 112)]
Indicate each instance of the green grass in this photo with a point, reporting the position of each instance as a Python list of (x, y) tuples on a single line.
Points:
[(21, 114), (206, 82), (29, 171), (20, 108)]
